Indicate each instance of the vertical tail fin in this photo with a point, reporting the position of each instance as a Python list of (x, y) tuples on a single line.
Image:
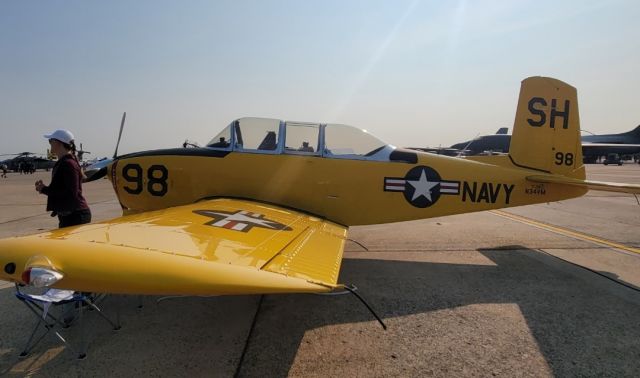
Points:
[(546, 131), (635, 132)]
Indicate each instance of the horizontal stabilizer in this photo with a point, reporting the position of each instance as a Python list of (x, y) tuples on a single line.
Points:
[(625, 145), (593, 185)]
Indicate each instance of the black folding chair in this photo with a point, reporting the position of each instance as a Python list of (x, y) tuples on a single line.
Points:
[(74, 304)]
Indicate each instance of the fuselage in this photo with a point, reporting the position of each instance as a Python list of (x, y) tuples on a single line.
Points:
[(411, 185)]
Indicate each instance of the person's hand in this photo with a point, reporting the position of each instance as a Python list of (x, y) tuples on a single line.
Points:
[(39, 186)]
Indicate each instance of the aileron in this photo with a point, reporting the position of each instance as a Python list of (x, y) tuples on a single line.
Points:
[(315, 255)]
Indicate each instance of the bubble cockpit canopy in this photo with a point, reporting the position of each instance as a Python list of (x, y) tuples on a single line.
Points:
[(272, 136)]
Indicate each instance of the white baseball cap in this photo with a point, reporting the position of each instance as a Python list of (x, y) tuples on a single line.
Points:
[(63, 136)]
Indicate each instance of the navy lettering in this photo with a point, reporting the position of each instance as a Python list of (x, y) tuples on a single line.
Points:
[(494, 193), (466, 190), (484, 193), (507, 190), (488, 192)]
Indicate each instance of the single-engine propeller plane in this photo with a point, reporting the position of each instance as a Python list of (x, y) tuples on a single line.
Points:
[(265, 206)]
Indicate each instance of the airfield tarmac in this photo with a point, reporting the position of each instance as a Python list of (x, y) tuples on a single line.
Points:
[(481, 294)]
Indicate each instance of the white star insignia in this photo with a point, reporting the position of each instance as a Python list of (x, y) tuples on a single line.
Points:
[(422, 187)]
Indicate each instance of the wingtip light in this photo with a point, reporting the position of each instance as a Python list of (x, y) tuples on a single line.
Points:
[(41, 277)]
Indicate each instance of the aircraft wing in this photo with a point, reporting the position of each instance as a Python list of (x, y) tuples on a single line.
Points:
[(593, 185), (213, 247)]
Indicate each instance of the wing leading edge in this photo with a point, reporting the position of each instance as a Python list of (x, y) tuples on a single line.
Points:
[(214, 247)]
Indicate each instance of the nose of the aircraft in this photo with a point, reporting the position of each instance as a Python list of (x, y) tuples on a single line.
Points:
[(97, 170)]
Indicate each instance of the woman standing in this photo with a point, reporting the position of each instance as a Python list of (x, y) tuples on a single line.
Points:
[(65, 191)]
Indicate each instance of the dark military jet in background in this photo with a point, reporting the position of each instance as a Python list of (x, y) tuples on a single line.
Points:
[(593, 146), (482, 145), (486, 144)]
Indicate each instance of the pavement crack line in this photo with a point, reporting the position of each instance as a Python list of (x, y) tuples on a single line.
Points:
[(566, 232), (21, 219), (246, 343), (44, 213), (44, 204)]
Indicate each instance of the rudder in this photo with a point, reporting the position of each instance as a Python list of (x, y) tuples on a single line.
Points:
[(546, 131)]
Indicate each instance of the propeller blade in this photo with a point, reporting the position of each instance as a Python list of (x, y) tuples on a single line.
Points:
[(97, 170), (124, 115)]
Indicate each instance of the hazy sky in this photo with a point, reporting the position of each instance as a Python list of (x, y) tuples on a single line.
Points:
[(414, 73)]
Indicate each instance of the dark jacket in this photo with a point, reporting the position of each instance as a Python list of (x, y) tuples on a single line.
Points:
[(65, 191)]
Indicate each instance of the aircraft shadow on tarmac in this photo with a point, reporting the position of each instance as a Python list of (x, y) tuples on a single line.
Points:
[(579, 325), (580, 328)]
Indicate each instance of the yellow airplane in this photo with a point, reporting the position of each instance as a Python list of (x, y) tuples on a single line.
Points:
[(265, 207)]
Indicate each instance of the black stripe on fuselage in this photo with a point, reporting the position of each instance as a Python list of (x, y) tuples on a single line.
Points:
[(398, 155), (402, 155), (206, 152)]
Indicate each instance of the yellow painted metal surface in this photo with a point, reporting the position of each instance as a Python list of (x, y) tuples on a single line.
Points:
[(348, 192), (221, 246), (316, 253), (546, 133)]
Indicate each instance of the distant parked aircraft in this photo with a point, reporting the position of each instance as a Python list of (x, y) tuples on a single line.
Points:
[(593, 146), (498, 142), (28, 158)]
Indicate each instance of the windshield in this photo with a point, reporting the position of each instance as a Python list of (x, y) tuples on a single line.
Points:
[(223, 139)]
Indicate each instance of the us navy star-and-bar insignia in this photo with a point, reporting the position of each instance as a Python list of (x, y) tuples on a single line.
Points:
[(240, 220), (421, 186)]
